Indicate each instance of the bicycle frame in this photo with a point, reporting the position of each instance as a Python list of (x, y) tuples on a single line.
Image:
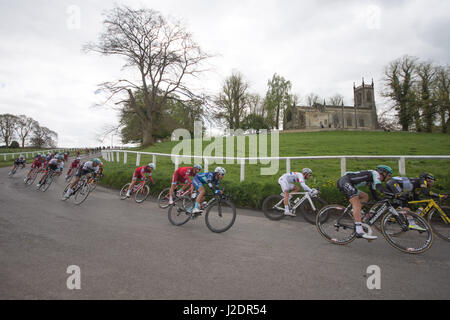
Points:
[(306, 197), (431, 205), (380, 211)]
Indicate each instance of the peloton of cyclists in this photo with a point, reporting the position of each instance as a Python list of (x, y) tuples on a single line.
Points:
[(56, 165), (89, 167)]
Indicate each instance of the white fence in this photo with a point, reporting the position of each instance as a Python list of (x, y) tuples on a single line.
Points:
[(114, 155)]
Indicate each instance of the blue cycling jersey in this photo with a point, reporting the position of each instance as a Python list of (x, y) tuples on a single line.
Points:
[(205, 178)]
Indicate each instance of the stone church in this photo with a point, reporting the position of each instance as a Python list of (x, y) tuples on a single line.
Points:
[(362, 115)]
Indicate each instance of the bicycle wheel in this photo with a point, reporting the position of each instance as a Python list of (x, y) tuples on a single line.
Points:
[(220, 216), (123, 191), (163, 198), (307, 211), (409, 240), (142, 194), (48, 181), (82, 193), (32, 178), (439, 224), (179, 212), (65, 191), (336, 225), (273, 207)]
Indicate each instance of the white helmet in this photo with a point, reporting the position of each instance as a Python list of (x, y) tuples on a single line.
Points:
[(198, 166), (151, 165), (21, 156), (307, 171), (220, 170)]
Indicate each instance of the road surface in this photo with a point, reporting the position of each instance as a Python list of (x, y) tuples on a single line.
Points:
[(126, 250)]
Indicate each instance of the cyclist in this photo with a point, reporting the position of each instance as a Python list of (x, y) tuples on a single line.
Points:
[(287, 181), (349, 183), (212, 179), (38, 162), (74, 166), (53, 165), (181, 175), (66, 155), (409, 189), (87, 167), (19, 161), (139, 173)]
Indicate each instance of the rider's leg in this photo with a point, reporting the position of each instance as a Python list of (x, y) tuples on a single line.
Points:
[(133, 182), (199, 200)]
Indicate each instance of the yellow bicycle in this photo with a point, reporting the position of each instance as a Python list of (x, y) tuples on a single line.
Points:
[(438, 217)]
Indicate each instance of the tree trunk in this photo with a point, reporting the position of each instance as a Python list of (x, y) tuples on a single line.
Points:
[(147, 134)]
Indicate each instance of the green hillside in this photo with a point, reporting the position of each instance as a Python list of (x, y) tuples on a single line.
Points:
[(325, 172)]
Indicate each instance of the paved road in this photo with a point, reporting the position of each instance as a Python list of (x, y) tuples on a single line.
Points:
[(131, 251)]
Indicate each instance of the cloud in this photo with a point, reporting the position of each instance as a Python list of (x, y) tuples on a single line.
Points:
[(320, 46)]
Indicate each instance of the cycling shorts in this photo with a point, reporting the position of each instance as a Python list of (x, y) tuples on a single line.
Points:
[(286, 186), (347, 188)]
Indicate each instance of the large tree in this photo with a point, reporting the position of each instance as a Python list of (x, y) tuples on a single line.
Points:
[(24, 127), (43, 137), (442, 94), (278, 99), (162, 52), (8, 124), (399, 78), (232, 103)]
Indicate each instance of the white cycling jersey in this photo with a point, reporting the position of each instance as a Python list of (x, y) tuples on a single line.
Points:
[(287, 181), (60, 165), (89, 166)]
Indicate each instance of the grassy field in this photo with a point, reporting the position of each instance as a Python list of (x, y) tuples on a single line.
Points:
[(16, 152), (256, 187)]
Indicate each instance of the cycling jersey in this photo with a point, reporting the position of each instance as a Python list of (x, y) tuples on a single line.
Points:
[(18, 161), (75, 164), (349, 183), (140, 172), (55, 165), (208, 178), (182, 174), (86, 168), (287, 181), (412, 188)]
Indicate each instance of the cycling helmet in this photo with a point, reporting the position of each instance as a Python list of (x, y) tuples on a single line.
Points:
[(198, 166), (96, 161), (383, 168), (77, 158), (151, 165), (307, 171), (21, 157), (60, 157), (427, 176), (220, 170)]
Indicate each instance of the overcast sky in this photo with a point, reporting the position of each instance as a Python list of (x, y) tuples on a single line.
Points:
[(320, 46)]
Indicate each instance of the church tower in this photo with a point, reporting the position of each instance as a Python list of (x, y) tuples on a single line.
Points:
[(364, 98)]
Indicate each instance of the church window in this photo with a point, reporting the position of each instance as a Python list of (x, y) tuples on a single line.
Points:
[(361, 122)]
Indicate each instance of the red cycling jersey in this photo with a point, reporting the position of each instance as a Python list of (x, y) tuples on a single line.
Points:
[(141, 171), (182, 174)]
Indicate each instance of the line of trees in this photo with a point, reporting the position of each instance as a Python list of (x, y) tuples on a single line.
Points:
[(165, 57), (26, 130), (420, 92)]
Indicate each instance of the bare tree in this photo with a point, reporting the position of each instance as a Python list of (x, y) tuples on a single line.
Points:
[(426, 72), (336, 100), (162, 51), (24, 127), (43, 137), (8, 123), (312, 99), (442, 94), (232, 102), (399, 80)]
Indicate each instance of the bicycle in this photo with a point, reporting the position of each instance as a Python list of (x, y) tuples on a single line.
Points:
[(336, 224), (14, 170), (44, 185), (273, 206), (164, 195), (140, 191), (81, 190), (68, 176), (34, 173), (219, 217)]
